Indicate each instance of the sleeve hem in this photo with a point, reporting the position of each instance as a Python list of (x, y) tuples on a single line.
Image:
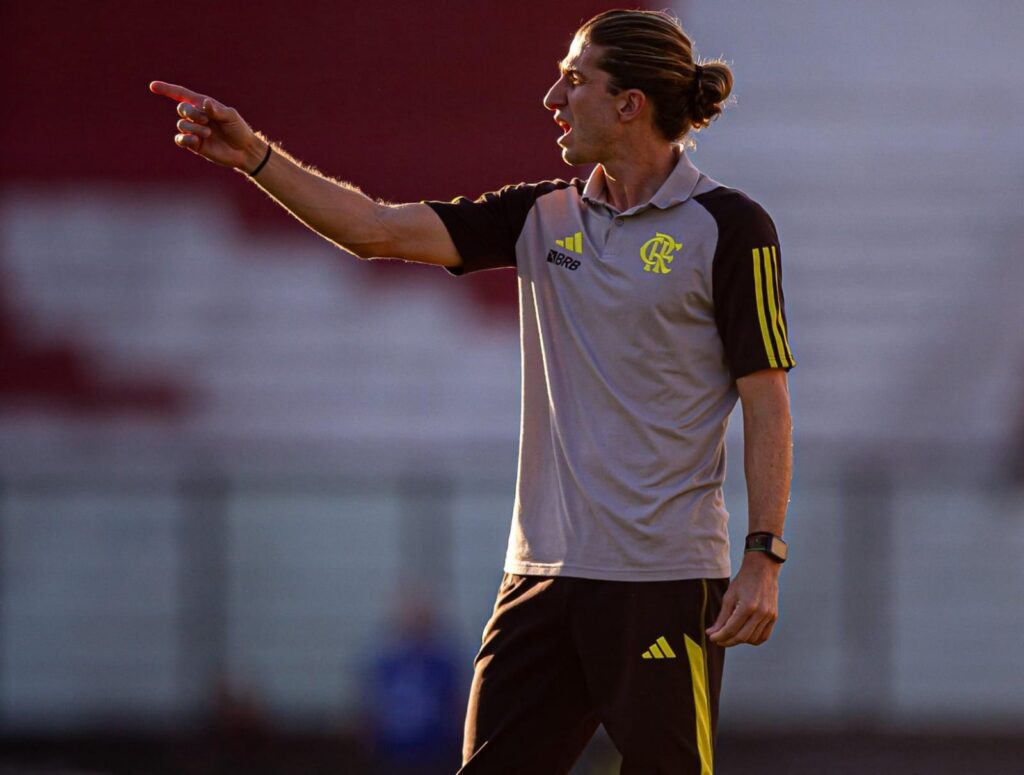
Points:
[(748, 369)]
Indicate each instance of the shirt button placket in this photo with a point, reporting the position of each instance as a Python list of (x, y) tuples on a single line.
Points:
[(612, 244)]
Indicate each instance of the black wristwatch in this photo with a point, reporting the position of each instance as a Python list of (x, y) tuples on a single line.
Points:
[(769, 543)]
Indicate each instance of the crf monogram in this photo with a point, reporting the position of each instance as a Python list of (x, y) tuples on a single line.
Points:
[(657, 253)]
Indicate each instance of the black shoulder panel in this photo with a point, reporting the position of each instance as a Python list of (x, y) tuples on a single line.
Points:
[(746, 279), (485, 230)]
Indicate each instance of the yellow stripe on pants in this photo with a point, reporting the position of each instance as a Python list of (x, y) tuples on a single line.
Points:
[(698, 674)]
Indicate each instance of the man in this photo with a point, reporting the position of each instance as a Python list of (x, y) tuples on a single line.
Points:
[(651, 299)]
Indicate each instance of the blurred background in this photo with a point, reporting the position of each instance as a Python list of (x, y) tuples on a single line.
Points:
[(250, 486)]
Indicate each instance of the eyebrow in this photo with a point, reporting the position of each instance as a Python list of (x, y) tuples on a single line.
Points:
[(567, 69)]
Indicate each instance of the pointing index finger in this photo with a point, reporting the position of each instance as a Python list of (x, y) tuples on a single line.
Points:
[(175, 92)]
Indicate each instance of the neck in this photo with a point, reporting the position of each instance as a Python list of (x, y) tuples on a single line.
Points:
[(634, 178)]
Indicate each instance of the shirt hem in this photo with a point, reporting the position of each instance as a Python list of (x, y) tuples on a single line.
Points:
[(613, 574)]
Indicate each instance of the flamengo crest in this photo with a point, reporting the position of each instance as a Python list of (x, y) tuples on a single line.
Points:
[(657, 253)]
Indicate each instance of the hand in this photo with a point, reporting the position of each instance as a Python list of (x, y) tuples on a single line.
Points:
[(750, 606), (212, 130)]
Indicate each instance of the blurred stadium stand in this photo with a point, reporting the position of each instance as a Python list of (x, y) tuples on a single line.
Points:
[(265, 441)]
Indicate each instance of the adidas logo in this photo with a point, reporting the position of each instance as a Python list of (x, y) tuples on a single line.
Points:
[(659, 650), (572, 243)]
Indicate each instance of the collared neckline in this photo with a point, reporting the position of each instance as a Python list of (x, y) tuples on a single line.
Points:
[(677, 188)]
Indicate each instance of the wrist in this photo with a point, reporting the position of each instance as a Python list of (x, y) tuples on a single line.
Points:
[(761, 562), (254, 154), (767, 544)]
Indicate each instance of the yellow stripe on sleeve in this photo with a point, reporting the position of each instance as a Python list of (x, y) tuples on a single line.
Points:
[(769, 273), (698, 676), (778, 299), (759, 296)]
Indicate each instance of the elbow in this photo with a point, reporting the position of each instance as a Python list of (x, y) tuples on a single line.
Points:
[(362, 252), (375, 241), (367, 245)]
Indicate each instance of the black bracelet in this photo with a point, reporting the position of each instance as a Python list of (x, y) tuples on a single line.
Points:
[(263, 163)]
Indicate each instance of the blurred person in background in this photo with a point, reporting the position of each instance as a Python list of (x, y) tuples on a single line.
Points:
[(651, 301), (413, 695)]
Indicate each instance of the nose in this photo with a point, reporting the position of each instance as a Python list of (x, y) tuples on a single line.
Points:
[(555, 98)]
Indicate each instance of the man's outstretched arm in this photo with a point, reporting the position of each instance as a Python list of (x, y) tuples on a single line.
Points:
[(338, 211)]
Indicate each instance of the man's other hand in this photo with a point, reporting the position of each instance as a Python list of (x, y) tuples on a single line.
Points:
[(750, 606)]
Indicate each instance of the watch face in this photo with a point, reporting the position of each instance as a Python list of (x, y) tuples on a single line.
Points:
[(778, 548)]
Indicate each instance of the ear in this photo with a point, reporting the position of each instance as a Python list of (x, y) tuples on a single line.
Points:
[(631, 104)]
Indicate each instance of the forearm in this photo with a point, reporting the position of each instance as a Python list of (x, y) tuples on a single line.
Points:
[(337, 211), (768, 464)]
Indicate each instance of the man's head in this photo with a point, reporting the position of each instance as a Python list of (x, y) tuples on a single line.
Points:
[(630, 71)]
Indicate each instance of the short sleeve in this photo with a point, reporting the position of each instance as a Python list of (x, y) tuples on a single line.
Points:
[(485, 230), (746, 276)]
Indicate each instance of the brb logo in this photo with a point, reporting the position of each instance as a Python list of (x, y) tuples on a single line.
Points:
[(657, 253), (560, 259)]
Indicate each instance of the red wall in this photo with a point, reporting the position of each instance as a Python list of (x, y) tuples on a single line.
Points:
[(409, 100)]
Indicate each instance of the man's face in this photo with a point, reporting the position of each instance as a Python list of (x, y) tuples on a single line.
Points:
[(584, 108)]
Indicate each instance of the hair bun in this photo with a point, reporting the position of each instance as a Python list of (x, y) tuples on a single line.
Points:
[(712, 84)]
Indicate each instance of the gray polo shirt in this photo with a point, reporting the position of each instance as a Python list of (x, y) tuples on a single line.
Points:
[(635, 326)]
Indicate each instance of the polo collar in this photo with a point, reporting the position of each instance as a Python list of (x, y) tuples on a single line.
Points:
[(677, 188)]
